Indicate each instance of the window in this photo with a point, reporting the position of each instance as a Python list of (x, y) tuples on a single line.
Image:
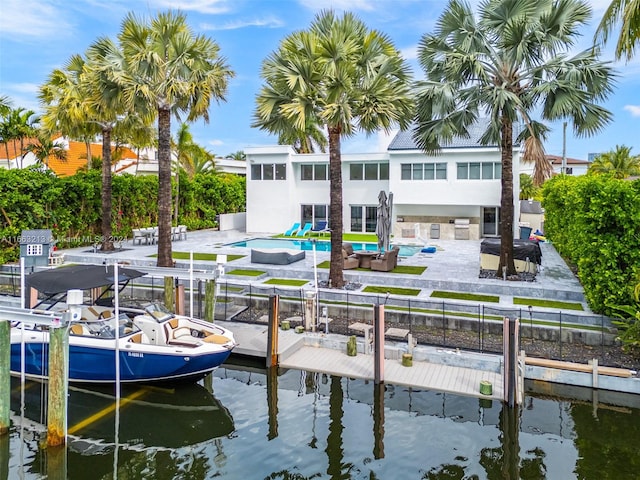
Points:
[(423, 171), (316, 171), (479, 170), (313, 213), (269, 171), (34, 250), (363, 216), (369, 171)]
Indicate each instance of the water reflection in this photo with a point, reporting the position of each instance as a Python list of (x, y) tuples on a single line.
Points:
[(295, 425)]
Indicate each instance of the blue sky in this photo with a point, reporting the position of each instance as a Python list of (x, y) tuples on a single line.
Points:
[(37, 36)]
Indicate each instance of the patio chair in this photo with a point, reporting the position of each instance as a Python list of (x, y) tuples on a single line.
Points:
[(139, 236), (182, 232), (386, 262), (321, 228), (293, 230), (304, 230), (350, 261)]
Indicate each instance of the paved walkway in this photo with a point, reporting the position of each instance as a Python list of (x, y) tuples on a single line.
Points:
[(454, 267)]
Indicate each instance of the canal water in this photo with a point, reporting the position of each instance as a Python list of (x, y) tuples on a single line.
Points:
[(246, 423)]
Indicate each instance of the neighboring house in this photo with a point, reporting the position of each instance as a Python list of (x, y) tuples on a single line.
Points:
[(532, 215), (77, 158), (574, 166), (430, 192)]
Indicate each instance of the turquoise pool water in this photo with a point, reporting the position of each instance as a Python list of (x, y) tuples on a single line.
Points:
[(321, 245)]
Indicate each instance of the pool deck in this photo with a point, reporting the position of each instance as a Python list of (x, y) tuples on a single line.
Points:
[(454, 266)]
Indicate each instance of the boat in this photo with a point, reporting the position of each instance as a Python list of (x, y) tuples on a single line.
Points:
[(153, 344)]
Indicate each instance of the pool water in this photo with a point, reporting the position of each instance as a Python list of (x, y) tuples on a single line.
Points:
[(321, 245)]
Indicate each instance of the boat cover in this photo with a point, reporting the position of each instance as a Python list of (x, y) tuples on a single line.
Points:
[(78, 277), (522, 249)]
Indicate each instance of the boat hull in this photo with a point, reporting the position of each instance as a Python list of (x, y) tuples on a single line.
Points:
[(96, 364)]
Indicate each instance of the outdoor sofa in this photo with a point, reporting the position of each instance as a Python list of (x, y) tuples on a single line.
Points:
[(276, 257)]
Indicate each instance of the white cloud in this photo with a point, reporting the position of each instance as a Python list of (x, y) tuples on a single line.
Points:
[(215, 142), (269, 22), (32, 18), (365, 5), (633, 109)]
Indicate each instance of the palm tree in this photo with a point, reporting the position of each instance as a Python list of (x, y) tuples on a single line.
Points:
[(22, 125), (506, 63), (527, 188), (6, 128), (305, 141), (239, 155), (343, 77), (171, 71), (618, 162), (45, 148), (106, 107), (183, 147), (627, 12), (66, 109)]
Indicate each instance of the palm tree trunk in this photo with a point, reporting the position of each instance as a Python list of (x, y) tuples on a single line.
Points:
[(107, 243), (506, 201), (336, 278), (6, 147), (87, 145), (164, 188)]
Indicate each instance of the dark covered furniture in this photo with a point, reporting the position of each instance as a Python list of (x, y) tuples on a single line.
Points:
[(527, 255), (276, 257), (387, 261)]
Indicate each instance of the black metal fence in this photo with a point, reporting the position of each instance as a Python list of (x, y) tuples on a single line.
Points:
[(544, 333)]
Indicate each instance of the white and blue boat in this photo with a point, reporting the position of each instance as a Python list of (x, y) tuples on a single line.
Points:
[(153, 344)]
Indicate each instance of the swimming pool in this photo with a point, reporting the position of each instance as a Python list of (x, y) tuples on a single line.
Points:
[(321, 245)]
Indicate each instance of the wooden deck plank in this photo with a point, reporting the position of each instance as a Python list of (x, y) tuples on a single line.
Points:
[(424, 375)]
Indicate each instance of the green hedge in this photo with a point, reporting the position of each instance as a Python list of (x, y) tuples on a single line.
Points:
[(71, 206), (594, 222)]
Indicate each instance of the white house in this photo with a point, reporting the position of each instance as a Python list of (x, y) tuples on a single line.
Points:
[(430, 192)]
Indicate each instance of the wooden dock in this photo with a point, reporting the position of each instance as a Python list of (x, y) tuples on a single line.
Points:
[(300, 355)]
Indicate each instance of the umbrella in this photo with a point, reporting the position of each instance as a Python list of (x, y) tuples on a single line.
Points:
[(383, 223)]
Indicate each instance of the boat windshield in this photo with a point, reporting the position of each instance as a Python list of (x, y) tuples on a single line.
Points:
[(104, 328), (159, 312)]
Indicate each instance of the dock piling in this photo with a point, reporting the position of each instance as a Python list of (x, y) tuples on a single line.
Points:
[(5, 376)]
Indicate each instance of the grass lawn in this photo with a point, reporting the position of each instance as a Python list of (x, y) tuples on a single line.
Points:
[(247, 273), (465, 296), (286, 281), (211, 257), (541, 302), (412, 292)]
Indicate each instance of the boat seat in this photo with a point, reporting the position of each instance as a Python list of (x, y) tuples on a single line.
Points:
[(137, 338), (77, 329)]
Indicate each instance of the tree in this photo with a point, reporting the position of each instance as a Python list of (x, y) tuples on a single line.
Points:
[(170, 71), (106, 107), (343, 77), (239, 155), (46, 148), (183, 148), (507, 63), (305, 141), (65, 106), (618, 162), (22, 125), (6, 128), (527, 188), (627, 13)]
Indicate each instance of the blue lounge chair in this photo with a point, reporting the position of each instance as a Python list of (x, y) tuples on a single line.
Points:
[(294, 229), (320, 228), (304, 230)]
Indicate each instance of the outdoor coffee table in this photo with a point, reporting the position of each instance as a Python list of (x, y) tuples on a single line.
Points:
[(365, 257)]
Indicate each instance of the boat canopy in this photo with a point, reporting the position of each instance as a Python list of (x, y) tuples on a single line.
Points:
[(78, 277)]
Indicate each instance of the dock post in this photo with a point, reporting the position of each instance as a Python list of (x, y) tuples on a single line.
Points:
[(209, 300), (272, 337), (5, 377), (58, 375), (168, 293), (180, 300), (378, 421), (310, 311), (378, 344), (510, 346)]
